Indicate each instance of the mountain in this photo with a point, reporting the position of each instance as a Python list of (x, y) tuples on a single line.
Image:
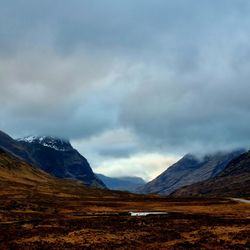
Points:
[(23, 184), (190, 169), (57, 157), (234, 180), (53, 155), (122, 183)]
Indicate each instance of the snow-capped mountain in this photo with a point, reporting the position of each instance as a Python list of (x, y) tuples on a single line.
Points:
[(48, 141), (54, 155)]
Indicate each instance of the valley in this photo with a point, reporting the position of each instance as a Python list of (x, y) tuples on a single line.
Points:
[(38, 210)]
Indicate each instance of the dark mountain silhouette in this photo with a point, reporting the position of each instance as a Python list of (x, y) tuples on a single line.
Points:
[(190, 169)]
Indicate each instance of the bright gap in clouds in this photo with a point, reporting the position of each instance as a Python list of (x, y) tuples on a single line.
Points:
[(147, 166), (119, 152)]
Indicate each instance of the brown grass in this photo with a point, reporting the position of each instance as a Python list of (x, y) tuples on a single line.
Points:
[(72, 217)]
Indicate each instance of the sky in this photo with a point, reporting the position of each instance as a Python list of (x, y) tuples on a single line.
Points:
[(133, 84)]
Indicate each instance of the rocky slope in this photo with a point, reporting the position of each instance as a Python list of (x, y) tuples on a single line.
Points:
[(190, 169), (234, 180), (53, 155), (122, 183)]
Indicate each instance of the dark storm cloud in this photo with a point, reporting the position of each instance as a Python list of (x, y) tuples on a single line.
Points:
[(175, 73)]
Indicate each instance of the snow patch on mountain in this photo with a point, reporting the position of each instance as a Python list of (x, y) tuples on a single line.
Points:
[(48, 141)]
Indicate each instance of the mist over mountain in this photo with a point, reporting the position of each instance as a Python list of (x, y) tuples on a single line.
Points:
[(190, 169), (233, 181)]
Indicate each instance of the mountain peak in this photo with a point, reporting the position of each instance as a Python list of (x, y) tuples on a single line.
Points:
[(56, 143)]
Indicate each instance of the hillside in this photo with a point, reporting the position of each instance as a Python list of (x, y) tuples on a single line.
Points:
[(16, 171), (21, 179), (190, 169), (14, 147), (234, 180)]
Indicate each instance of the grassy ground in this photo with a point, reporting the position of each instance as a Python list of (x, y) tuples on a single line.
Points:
[(71, 218)]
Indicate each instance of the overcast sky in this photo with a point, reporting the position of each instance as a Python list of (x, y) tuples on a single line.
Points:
[(133, 84)]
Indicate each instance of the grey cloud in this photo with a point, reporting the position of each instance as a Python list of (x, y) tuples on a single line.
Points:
[(198, 109), (175, 73), (110, 24), (46, 93), (116, 143)]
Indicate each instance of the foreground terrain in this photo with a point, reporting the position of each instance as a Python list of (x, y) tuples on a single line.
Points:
[(38, 211), (61, 221)]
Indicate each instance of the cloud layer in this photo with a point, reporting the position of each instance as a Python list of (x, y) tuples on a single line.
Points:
[(127, 79)]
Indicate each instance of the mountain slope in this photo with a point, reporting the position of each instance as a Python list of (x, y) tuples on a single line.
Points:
[(122, 183), (17, 171), (26, 183), (234, 180), (53, 155), (187, 171), (14, 147)]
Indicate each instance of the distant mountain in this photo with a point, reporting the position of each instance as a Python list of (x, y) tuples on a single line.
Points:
[(53, 155), (190, 169), (233, 181), (122, 183)]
